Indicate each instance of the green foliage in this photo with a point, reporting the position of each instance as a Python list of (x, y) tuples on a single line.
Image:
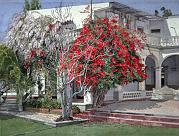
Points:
[(26, 5), (12, 72), (34, 103), (34, 5), (43, 103), (75, 110), (8, 63), (156, 13), (165, 12)]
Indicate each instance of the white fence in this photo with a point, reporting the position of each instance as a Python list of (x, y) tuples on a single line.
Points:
[(134, 95), (127, 95)]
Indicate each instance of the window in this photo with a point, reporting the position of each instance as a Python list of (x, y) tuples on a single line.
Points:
[(155, 30)]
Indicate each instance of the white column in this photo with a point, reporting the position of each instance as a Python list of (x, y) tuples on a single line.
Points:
[(142, 85), (42, 79), (158, 78), (88, 98)]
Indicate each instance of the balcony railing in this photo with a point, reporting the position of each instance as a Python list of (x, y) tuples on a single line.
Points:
[(162, 41), (153, 40)]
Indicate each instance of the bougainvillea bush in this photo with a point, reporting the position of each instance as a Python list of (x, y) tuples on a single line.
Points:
[(38, 39), (108, 53)]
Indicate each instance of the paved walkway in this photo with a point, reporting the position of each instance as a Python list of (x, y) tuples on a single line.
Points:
[(48, 119), (167, 108)]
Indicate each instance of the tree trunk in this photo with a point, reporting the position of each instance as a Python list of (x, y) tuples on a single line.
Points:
[(20, 107), (98, 97), (66, 103), (20, 99), (65, 92)]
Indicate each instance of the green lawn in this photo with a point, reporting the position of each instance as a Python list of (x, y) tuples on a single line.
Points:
[(12, 125)]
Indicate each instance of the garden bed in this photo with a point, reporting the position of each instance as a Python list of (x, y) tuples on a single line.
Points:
[(47, 119), (43, 110)]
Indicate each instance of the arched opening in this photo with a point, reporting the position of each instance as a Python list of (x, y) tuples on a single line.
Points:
[(150, 81), (170, 72)]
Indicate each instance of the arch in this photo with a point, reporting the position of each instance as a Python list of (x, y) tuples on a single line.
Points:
[(154, 58), (168, 55), (150, 63), (170, 71)]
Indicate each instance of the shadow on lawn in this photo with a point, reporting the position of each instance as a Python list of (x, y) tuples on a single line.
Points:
[(6, 117)]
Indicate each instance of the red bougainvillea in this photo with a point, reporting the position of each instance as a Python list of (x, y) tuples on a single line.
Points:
[(35, 57), (104, 52)]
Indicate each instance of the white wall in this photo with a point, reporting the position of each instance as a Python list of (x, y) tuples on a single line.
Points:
[(143, 24), (173, 24), (78, 13), (168, 27), (125, 88), (160, 24)]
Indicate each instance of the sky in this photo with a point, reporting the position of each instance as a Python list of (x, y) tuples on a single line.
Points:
[(9, 7)]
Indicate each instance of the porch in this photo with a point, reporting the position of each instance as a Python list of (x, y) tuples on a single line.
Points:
[(164, 108)]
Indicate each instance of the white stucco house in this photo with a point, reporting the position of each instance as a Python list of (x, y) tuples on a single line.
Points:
[(160, 55)]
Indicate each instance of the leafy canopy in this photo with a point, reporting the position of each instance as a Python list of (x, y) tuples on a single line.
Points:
[(11, 70), (109, 54)]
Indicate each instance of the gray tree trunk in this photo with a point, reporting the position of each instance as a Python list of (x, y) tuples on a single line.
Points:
[(98, 97), (66, 102), (20, 99)]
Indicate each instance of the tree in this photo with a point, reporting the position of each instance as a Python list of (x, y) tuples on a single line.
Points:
[(166, 12), (26, 5), (40, 39), (33, 5), (156, 13), (107, 53), (13, 73), (103, 54)]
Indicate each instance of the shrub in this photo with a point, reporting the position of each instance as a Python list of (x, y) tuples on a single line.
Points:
[(75, 110), (56, 105), (43, 103)]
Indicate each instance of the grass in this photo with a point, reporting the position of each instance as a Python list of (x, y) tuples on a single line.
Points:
[(12, 126)]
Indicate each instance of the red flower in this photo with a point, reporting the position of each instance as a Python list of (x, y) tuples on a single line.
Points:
[(115, 70), (100, 45), (42, 54), (85, 30), (101, 74), (100, 62), (50, 26), (113, 60), (26, 66), (32, 54), (78, 52), (105, 50), (120, 53)]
